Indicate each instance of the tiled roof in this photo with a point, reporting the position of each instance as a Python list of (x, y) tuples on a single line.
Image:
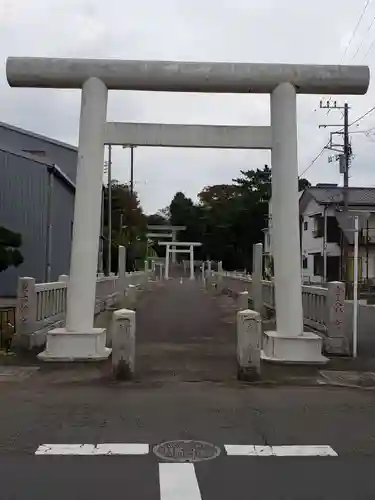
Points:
[(356, 195)]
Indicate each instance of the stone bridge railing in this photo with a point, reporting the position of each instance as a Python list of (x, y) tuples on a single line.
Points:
[(314, 298), (323, 308), (42, 306)]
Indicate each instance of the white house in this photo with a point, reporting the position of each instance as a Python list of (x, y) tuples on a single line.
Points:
[(323, 227)]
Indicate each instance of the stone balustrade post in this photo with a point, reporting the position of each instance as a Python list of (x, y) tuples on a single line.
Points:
[(123, 344), (336, 342), (243, 301), (257, 276), (249, 341), (26, 312), (122, 266)]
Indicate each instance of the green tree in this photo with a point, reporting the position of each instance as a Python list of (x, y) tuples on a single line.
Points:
[(156, 220), (128, 225), (10, 243), (228, 218)]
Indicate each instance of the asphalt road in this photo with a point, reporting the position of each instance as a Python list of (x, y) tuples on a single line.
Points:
[(185, 389), (83, 478)]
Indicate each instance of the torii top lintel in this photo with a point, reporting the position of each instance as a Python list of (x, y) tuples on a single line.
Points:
[(177, 76)]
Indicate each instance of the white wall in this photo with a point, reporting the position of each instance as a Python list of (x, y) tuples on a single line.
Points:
[(310, 244)]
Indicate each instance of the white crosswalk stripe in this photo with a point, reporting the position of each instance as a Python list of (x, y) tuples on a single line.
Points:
[(178, 481), (92, 449), (280, 451)]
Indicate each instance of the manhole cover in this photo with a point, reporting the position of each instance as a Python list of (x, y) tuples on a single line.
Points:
[(351, 379), (186, 451)]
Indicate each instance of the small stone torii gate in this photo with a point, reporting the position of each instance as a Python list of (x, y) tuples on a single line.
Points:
[(282, 81), (173, 251), (167, 231)]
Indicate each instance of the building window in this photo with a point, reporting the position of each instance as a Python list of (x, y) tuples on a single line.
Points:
[(318, 264), (305, 225), (304, 262), (318, 227)]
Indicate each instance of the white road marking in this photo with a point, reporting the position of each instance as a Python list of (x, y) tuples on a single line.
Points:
[(65, 449), (122, 449), (304, 451), (248, 450), (280, 451), (178, 482), (92, 449)]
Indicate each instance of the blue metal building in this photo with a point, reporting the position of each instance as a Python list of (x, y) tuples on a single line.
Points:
[(37, 176)]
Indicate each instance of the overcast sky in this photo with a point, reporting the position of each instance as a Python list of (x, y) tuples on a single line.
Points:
[(288, 31)]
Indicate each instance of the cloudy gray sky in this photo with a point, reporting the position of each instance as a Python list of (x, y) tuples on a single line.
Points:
[(289, 31)]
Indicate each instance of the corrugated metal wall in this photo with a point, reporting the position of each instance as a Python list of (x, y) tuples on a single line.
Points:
[(23, 202), (24, 209), (65, 158), (62, 225)]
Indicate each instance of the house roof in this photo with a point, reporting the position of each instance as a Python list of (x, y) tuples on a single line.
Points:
[(358, 197), (38, 136), (334, 195)]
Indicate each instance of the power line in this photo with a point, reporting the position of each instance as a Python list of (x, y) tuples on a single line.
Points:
[(325, 146), (315, 159), (369, 50), (363, 39), (355, 29), (363, 116), (353, 36)]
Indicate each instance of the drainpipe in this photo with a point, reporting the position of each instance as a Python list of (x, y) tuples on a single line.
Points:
[(48, 267), (325, 246)]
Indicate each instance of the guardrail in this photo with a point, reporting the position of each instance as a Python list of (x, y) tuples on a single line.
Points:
[(42, 306)]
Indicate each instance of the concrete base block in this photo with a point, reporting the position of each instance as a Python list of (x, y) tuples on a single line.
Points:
[(248, 374), (63, 345), (304, 349), (338, 346), (123, 344)]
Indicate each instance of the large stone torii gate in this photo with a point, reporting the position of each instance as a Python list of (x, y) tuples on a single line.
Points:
[(282, 81)]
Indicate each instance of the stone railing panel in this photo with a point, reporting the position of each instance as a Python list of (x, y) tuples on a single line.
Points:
[(42, 306)]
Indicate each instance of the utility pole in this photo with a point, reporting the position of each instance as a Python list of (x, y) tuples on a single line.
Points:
[(121, 226), (346, 188), (109, 260), (101, 243), (131, 170), (345, 153), (130, 228)]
